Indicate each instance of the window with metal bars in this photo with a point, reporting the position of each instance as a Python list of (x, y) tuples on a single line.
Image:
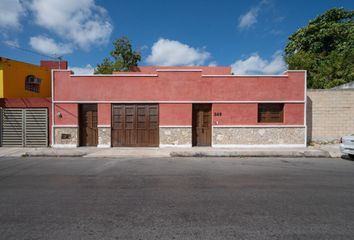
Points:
[(32, 84), (270, 112)]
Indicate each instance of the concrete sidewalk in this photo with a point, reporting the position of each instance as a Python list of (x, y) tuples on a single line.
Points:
[(318, 151)]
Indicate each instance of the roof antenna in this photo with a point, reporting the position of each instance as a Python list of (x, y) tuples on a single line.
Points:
[(60, 58)]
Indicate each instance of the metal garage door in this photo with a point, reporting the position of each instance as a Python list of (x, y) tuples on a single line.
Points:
[(24, 127), (135, 125)]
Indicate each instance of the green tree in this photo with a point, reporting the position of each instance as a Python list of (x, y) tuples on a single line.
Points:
[(123, 57), (325, 48)]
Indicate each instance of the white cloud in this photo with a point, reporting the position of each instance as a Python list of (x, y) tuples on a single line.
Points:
[(257, 65), (81, 22), (47, 45), (10, 13), (88, 69), (12, 43), (167, 52), (144, 47), (248, 19), (213, 64)]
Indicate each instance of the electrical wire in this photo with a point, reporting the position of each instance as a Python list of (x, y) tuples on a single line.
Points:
[(32, 51)]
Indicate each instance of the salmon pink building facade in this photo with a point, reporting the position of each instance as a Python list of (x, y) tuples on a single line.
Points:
[(178, 106)]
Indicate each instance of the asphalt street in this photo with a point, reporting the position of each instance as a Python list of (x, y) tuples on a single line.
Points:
[(176, 198)]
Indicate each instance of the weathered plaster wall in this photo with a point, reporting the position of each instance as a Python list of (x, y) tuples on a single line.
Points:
[(104, 113), (178, 86), (175, 114), (14, 74), (69, 114), (247, 114)]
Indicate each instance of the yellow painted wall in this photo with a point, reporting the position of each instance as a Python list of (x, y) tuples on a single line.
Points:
[(14, 73)]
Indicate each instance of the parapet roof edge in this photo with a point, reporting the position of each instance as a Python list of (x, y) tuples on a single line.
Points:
[(178, 70), (114, 75), (215, 75), (295, 71), (4, 59)]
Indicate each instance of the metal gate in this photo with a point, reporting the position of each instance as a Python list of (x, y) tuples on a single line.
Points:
[(24, 127)]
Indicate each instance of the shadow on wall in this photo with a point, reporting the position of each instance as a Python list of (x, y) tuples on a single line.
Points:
[(66, 111), (309, 119), (24, 102)]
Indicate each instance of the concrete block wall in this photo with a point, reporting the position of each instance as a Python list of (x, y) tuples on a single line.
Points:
[(330, 114)]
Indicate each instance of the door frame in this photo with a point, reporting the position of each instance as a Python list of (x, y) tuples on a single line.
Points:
[(80, 124), (194, 137)]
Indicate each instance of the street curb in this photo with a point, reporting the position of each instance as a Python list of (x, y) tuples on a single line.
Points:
[(301, 153), (292, 154), (53, 155)]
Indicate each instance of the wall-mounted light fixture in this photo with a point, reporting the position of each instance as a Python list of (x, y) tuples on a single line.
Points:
[(59, 115)]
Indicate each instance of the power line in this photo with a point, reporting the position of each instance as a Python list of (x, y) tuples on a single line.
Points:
[(32, 51)]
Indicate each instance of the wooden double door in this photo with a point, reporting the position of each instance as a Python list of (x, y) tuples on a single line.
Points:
[(135, 125), (88, 132), (201, 125)]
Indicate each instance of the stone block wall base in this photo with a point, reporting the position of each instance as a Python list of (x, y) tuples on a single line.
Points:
[(258, 136), (66, 137), (175, 136), (104, 137)]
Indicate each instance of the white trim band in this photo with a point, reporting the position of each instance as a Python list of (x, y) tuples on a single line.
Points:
[(62, 70), (178, 70), (175, 126), (193, 101), (295, 71), (65, 126), (103, 126), (234, 76), (259, 126), (115, 75)]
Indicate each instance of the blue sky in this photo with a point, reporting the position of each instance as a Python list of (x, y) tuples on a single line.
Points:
[(247, 35)]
